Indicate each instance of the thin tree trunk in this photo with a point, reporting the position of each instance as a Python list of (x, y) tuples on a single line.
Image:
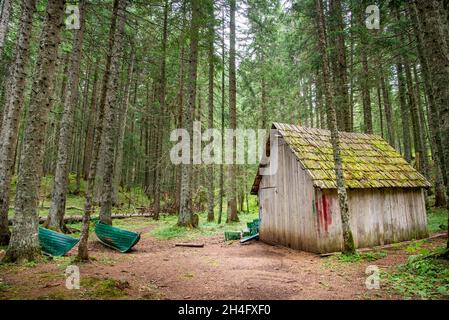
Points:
[(387, 108), (232, 200), (111, 108), (24, 244), (405, 115), (220, 212), (91, 123), (122, 124), (162, 112), (13, 107), (55, 218), (185, 209), (211, 38), (348, 240), (365, 83), (83, 253), (339, 66), (6, 10)]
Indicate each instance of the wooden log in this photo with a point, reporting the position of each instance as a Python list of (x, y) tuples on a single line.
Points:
[(75, 219), (190, 245)]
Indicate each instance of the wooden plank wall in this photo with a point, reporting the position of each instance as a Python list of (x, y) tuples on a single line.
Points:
[(295, 214), (287, 205), (378, 216)]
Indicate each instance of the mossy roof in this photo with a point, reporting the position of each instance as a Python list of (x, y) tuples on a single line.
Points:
[(368, 160)]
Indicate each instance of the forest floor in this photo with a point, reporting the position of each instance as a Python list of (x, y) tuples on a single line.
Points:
[(156, 269)]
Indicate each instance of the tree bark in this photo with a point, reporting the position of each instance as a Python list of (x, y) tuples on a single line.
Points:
[(6, 10), (436, 50), (220, 203), (12, 110), (24, 244), (162, 112), (348, 240), (365, 83), (434, 128), (211, 39), (122, 124), (83, 253), (340, 66), (110, 114), (232, 200), (91, 123), (185, 209), (55, 219), (13, 107), (405, 115)]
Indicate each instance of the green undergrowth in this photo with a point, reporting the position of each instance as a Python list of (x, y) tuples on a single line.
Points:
[(436, 220), (423, 276), (103, 288), (168, 228), (361, 256)]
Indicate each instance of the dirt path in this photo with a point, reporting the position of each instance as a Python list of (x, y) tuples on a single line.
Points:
[(156, 269)]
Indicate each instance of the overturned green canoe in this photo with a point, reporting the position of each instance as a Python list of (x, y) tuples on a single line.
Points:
[(54, 243), (118, 239)]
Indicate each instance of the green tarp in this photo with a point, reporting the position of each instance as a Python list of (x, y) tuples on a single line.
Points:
[(54, 243), (118, 239)]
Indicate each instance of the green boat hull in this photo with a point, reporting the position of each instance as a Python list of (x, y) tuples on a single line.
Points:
[(54, 243), (115, 238)]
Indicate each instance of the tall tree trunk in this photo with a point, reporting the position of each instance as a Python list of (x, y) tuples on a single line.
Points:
[(379, 102), (434, 128), (232, 200), (13, 107), (436, 49), (162, 112), (185, 209), (339, 66), (91, 123), (55, 218), (263, 93), (180, 98), (211, 39), (417, 133), (405, 115), (6, 8), (365, 83), (83, 253), (348, 240), (122, 124), (111, 108), (220, 210), (387, 108), (24, 244)]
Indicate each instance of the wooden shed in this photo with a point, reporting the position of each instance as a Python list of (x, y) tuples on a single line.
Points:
[(299, 206)]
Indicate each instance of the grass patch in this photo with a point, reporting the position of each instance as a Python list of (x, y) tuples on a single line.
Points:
[(107, 288), (4, 286), (53, 296), (168, 229), (361, 256), (422, 276), (437, 220)]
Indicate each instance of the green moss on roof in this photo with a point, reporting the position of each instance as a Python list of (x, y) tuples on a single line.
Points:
[(368, 160)]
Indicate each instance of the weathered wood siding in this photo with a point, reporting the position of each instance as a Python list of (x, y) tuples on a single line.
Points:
[(296, 214), (287, 206), (378, 216)]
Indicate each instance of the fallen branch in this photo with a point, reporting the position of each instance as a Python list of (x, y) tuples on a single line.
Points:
[(387, 246), (190, 245), (75, 219)]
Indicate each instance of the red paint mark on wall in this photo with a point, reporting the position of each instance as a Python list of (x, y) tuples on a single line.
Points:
[(324, 213)]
